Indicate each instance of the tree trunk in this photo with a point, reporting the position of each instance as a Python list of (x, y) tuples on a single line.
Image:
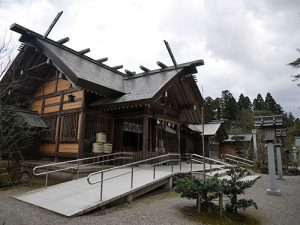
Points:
[(199, 204)]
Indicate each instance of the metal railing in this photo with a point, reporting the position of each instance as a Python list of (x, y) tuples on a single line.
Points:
[(205, 160), (79, 163), (238, 160), (152, 162)]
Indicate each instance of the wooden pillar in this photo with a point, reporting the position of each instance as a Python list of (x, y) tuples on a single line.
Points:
[(118, 133), (112, 131), (178, 138), (57, 133), (145, 135), (81, 134)]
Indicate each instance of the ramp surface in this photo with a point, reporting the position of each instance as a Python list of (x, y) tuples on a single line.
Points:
[(77, 196)]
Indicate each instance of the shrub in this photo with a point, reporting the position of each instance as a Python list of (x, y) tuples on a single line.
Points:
[(211, 188), (190, 187), (234, 187)]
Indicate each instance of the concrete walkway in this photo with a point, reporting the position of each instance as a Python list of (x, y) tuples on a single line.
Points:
[(77, 196)]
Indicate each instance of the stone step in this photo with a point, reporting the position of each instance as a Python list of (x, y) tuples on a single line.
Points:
[(250, 178), (220, 172), (246, 178)]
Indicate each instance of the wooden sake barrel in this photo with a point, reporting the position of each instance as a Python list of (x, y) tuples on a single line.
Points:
[(107, 148), (97, 148), (101, 137)]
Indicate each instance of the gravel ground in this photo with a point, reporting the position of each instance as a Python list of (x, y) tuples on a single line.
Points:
[(157, 208), (277, 210)]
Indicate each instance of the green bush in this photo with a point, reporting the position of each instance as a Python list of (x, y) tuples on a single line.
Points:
[(234, 187), (190, 187), (211, 188)]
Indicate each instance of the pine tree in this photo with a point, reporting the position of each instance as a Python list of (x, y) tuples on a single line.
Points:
[(296, 64), (229, 106), (271, 105), (244, 103), (258, 103), (209, 108)]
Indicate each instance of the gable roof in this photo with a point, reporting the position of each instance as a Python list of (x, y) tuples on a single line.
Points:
[(32, 119), (82, 72), (239, 137), (142, 88), (209, 129), (97, 77), (80, 69)]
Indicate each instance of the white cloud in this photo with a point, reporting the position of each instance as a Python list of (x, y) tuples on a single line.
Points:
[(245, 44)]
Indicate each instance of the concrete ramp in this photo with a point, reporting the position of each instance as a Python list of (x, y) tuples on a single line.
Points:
[(78, 197)]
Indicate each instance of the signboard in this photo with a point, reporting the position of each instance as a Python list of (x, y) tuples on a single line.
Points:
[(133, 127)]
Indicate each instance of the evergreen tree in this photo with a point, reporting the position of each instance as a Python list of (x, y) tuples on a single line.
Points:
[(271, 105), (246, 121), (209, 108), (288, 119), (258, 103), (244, 103), (218, 108), (296, 64), (229, 106)]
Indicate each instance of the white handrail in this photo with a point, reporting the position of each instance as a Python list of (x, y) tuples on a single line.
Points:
[(210, 159), (127, 165), (131, 165), (236, 157), (78, 165), (239, 162)]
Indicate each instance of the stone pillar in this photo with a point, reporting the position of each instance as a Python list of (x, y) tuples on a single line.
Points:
[(254, 144), (168, 186), (272, 190), (279, 162)]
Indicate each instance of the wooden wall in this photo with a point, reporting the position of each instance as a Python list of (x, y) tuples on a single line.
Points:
[(62, 116)]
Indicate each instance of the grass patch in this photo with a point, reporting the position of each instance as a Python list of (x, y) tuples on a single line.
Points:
[(213, 218)]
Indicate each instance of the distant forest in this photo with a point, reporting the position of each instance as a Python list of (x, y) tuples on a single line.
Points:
[(239, 115)]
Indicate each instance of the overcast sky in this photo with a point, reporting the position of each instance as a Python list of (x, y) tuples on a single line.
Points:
[(245, 45)]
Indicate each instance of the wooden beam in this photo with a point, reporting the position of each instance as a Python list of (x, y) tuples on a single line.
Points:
[(145, 69), (130, 73), (84, 51), (53, 24), (102, 60), (170, 53), (178, 138), (63, 40), (160, 64), (81, 134), (117, 67)]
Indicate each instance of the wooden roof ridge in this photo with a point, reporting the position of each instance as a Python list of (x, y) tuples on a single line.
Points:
[(26, 33), (194, 63)]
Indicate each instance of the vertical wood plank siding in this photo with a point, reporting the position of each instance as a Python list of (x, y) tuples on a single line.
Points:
[(96, 123), (69, 124)]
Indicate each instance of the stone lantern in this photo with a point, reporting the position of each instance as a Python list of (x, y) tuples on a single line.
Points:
[(269, 126)]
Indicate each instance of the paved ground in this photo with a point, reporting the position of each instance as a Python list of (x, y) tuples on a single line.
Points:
[(165, 208)]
